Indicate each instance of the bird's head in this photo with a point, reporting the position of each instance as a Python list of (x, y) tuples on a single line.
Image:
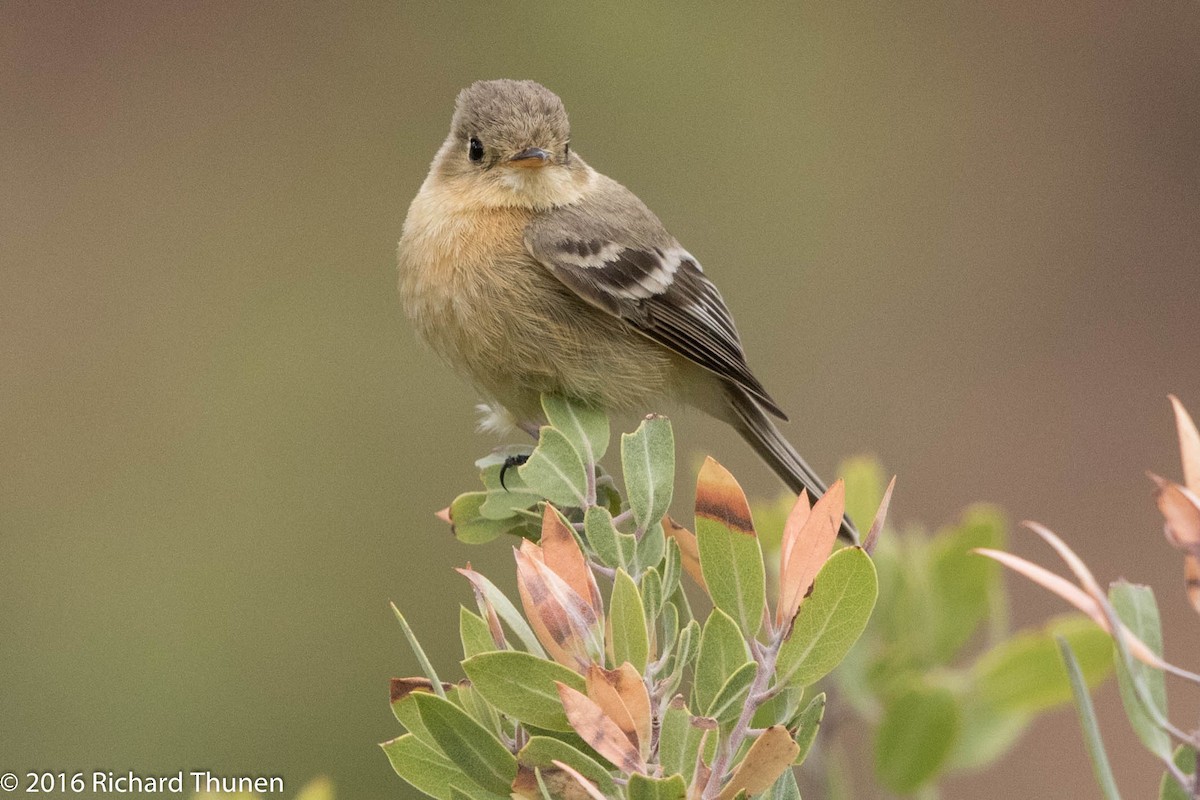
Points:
[(510, 145)]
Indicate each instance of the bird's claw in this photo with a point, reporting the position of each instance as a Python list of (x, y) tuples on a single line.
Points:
[(509, 463)]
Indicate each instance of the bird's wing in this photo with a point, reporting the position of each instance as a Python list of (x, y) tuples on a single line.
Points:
[(615, 254)]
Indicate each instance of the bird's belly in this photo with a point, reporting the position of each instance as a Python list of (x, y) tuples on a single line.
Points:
[(484, 304)]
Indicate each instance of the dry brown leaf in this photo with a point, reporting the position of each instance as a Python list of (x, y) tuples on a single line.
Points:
[(603, 693), (808, 548), (1189, 445), (772, 753), (689, 550), (562, 620), (403, 687), (598, 730), (1181, 510), (621, 693), (561, 553), (720, 497)]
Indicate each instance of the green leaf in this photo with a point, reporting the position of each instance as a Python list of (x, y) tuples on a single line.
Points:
[(467, 743), (648, 460), (471, 526), (585, 428), (785, 787), (779, 709), (469, 700), (602, 535), (522, 686), (405, 710), (642, 787), (722, 652), (915, 737), (555, 470), (1087, 719), (731, 697), (1136, 607), (830, 619), (672, 569), (986, 733), (627, 618), (962, 582), (652, 595), (1026, 673), (807, 725), (542, 752), (474, 633), (650, 548), (567, 737), (732, 564), (428, 770), (630, 639), (678, 741), (1168, 787), (422, 659), (509, 500)]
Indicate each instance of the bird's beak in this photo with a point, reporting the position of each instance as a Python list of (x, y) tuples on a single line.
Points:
[(530, 157)]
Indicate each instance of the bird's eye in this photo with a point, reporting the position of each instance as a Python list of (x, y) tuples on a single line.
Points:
[(475, 150), (567, 150)]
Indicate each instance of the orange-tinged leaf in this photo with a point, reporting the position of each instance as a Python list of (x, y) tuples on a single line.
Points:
[(689, 549), (719, 497), (797, 519), (772, 753), (1189, 445), (598, 730), (1191, 578), (808, 548), (1087, 581), (632, 688), (1181, 510), (561, 553), (1048, 580), (621, 694), (563, 622), (603, 693), (880, 518), (1076, 597)]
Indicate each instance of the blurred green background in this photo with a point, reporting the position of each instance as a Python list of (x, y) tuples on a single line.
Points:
[(965, 237)]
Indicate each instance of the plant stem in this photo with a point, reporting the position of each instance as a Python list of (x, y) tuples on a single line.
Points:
[(759, 691)]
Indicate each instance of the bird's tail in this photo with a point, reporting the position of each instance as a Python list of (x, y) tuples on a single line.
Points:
[(757, 428)]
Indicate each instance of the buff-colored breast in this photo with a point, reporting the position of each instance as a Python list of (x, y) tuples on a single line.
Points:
[(484, 304)]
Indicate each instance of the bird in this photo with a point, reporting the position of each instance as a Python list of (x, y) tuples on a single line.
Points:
[(530, 272)]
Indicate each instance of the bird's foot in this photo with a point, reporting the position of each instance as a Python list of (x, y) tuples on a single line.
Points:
[(509, 463)]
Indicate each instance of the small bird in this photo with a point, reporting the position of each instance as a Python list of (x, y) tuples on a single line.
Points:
[(531, 272)]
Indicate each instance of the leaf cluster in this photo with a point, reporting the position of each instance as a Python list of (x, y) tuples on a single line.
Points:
[(938, 678), (1129, 613), (603, 680)]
